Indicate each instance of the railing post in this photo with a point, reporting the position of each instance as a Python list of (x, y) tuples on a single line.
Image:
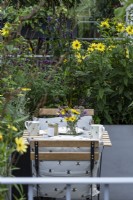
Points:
[(30, 192), (68, 192), (106, 192)]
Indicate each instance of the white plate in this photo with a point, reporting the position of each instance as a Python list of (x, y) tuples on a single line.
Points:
[(42, 132), (63, 130)]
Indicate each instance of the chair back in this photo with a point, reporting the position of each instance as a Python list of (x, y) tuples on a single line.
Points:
[(60, 150), (54, 112)]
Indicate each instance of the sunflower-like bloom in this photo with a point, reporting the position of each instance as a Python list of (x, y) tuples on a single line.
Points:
[(74, 111), (76, 45), (105, 24), (79, 57), (70, 119), (6, 30), (1, 137), (120, 27), (100, 47), (21, 146), (129, 29), (92, 47), (63, 112)]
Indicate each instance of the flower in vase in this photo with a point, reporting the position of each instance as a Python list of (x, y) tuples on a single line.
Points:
[(71, 116)]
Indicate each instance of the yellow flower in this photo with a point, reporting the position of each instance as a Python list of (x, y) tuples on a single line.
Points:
[(104, 24), (129, 29), (76, 45), (5, 32), (1, 137), (25, 89), (120, 27), (79, 57), (111, 47), (30, 49), (63, 112), (12, 127), (7, 25), (65, 61), (20, 95), (127, 53), (90, 49), (71, 119), (75, 111), (93, 45), (21, 146), (100, 47)]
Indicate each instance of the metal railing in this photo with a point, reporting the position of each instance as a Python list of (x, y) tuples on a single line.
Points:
[(105, 181)]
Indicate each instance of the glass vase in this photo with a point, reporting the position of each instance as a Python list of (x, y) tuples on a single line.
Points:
[(71, 128)]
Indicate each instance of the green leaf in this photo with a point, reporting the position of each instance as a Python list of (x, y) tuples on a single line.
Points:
[(9, 47), (21, 119), (125, 81), (119, 107), (101, 93)]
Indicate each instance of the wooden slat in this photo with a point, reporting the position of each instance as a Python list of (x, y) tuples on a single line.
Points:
[(54, 111), (63, 143), (48, 111), (65, 156)]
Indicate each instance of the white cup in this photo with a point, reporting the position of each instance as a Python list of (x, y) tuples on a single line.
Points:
[(32, 127)]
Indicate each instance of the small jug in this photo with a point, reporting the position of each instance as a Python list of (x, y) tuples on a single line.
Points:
[(97, 131), (32, 127)]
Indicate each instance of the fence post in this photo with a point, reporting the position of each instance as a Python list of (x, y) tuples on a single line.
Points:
[(68, 192), (30, 192), (106, 192)]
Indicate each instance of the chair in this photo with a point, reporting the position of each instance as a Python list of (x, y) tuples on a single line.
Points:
[(49, 115), (78, 156)]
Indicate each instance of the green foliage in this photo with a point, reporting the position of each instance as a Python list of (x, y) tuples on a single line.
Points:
[(120, 13)]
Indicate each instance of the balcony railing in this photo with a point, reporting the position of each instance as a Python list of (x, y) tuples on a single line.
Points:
[(68, 181)]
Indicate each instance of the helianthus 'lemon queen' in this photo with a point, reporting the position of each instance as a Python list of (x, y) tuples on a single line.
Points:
[(105, 24), (76, 45), (129, 29), (21, 146)]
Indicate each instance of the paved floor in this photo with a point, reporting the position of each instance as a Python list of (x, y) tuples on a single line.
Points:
[(118, 160)]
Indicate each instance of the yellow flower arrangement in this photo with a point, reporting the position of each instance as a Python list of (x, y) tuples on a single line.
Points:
[(71, 116)]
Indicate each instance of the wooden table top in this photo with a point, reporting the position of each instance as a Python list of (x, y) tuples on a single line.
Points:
[(105, 138)]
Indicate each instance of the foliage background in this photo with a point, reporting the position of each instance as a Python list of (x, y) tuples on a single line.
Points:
[(47, 29)]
